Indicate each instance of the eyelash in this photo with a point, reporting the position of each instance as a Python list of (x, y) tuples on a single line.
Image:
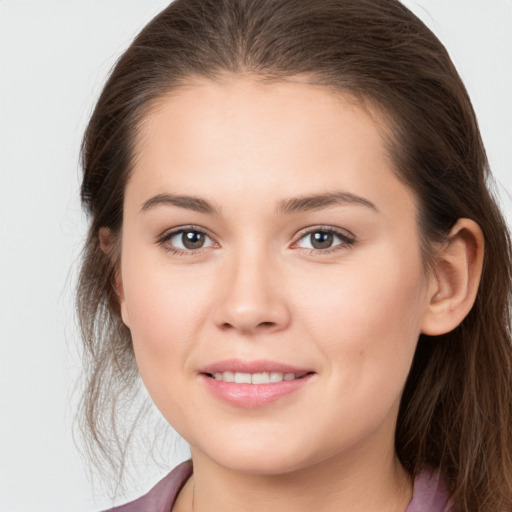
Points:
[(347, 240), (162, 241)]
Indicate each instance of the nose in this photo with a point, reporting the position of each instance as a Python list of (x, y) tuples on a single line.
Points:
[(252, 297)]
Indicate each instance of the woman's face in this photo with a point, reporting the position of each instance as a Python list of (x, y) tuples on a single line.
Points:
[(266, 239)]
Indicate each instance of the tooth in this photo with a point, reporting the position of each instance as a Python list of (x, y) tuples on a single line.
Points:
[(254, 378), (276, 377), (228, 377), (242, 378), (260, 378)]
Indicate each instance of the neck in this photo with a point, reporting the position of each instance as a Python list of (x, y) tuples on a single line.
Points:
[(339, 484)]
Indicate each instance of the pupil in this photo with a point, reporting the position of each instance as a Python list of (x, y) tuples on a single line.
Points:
[(192, 239), (321, 240)]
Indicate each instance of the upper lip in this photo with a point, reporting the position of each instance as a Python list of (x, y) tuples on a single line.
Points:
[(256, 366)]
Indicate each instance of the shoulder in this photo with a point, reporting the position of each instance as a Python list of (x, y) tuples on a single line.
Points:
[(163, 495), (430, 494)]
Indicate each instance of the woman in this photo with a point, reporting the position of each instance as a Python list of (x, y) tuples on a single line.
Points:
[(293, 243)]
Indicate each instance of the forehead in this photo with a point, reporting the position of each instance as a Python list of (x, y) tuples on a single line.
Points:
[(251, 135), (292, 107)]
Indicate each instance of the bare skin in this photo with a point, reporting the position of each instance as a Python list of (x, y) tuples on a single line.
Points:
[(333, 284)]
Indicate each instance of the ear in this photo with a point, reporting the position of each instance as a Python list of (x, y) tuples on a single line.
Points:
[(456, 277), (109, 245)]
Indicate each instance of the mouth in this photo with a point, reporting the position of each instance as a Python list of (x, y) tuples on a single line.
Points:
[(256, 378), (254, 384)]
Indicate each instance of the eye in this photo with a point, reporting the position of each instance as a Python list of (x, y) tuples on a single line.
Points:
[(186, 240), (324, 239)]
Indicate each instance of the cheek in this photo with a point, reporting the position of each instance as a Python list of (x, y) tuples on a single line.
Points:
[(369, 312), (165, 315), (164, 309), (365, 321)]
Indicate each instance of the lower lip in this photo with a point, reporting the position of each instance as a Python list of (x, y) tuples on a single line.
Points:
[(254, 395)]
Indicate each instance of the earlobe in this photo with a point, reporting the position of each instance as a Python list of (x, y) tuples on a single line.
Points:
[(455, 280), (108, 245)]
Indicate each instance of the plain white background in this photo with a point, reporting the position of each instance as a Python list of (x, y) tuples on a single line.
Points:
[(54, 57)]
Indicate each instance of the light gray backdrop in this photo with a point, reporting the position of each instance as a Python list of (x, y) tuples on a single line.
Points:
[(54, 56)]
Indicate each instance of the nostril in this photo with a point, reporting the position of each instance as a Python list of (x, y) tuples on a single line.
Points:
[(226, 326)]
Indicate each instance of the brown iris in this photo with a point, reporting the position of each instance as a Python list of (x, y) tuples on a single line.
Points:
[(192, 239), (321, 239)]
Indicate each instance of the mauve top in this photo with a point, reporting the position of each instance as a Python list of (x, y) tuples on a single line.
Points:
[(429, 493)]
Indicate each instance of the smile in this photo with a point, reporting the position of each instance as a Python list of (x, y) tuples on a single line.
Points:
[(256, 378), (253, 384)]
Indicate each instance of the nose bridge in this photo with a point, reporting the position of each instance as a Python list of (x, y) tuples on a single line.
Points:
[(252, 299)]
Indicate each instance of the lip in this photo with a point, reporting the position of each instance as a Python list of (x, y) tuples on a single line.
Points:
[(257, 366), (253, 395)]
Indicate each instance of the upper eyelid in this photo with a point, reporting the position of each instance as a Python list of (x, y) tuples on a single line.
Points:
[(329, 229), (342, 232), (186, 227), (348, 240), (169, 233)]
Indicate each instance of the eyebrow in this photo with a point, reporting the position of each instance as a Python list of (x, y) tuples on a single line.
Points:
[(320, 201), (287, 206), (188, 202)]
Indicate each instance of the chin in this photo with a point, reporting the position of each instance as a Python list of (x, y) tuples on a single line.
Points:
[(260, 457), (261, 464)]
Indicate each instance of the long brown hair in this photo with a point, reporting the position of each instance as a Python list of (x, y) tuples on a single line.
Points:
[(456, 409)]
